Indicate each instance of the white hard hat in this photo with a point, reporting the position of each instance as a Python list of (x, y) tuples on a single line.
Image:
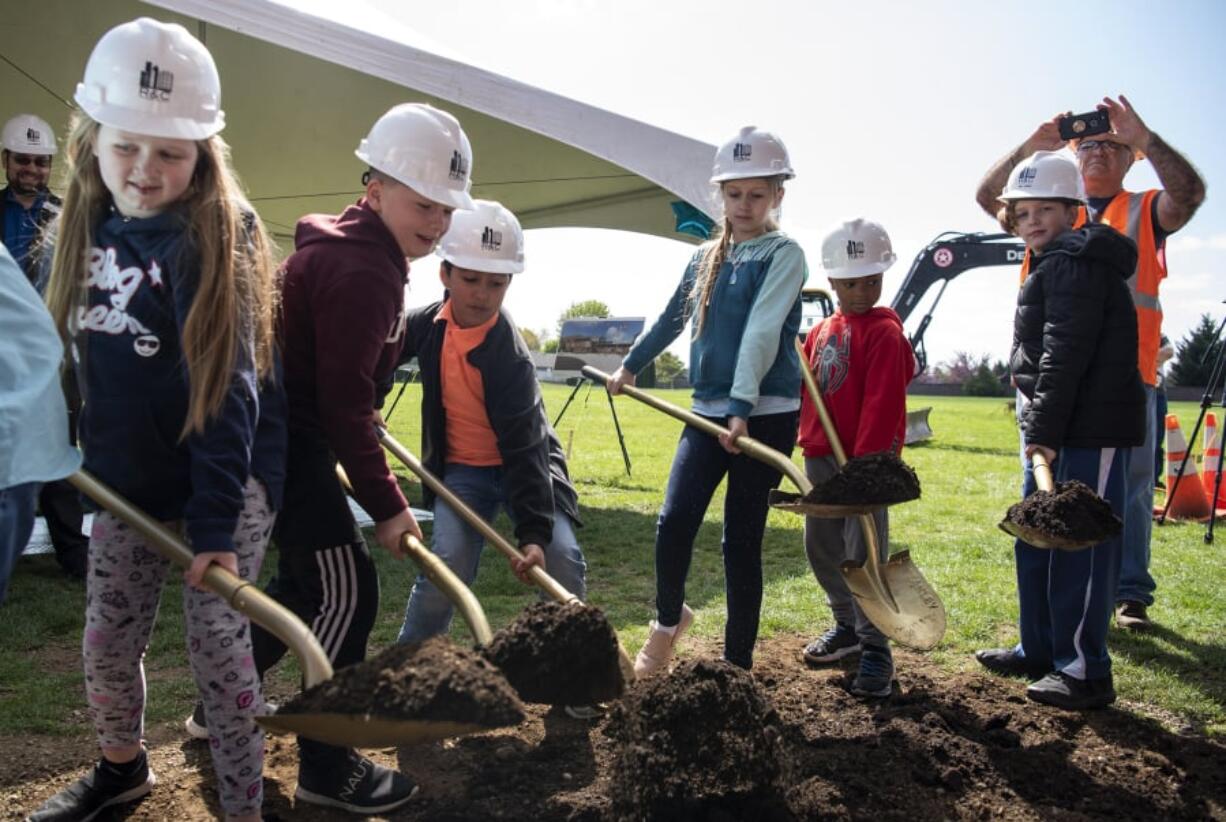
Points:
[(153, 78), (1045, 175), (426, 149), (856, 248), (752, 153), (27, 134), (485, 238)]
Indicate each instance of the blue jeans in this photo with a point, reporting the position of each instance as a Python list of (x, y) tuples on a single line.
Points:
[(16, 523), (1136, 583), (1066, 598), (1159, 425), (459, 545), (698, 468)]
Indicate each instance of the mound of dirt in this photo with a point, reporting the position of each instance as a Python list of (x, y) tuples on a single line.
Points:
[(1072, 512), (698, 743), (559, 654), (873, 479), (436, 680)]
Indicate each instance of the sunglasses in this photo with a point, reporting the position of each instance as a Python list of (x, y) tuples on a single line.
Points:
[(1086, 146), (40, 160)]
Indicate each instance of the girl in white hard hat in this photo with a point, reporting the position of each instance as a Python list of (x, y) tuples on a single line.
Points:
[(1074, 362), (162, 279), (862, 362), (741, 295)]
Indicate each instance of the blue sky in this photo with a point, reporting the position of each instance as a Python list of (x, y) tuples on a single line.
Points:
[(891, 110)]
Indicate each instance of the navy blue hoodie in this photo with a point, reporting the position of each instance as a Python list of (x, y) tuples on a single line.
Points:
[(143, 277)]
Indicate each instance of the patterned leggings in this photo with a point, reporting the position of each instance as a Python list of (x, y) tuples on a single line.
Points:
[(122, 593)]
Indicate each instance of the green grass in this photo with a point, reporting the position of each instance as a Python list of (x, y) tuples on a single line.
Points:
[(969, 474)]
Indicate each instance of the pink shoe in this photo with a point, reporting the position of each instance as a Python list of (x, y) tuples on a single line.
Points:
[(658, 649)]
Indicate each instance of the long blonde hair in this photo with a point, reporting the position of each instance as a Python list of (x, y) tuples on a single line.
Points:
[(714, 254), (237, 294)]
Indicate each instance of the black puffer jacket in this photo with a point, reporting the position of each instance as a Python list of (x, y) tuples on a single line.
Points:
[(1075, 344)]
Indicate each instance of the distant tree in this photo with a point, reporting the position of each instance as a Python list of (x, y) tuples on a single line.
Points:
[(983, 383), (1195, 354), (550, 346), (586, 308), (531, 339), (668, 368)]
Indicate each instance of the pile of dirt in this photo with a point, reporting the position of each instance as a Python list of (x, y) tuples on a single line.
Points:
[(873, 479), (697, 742), (559, 654), (436, 680), (1071, 512)]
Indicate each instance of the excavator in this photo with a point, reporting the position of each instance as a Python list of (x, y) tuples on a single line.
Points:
[(947, 256)]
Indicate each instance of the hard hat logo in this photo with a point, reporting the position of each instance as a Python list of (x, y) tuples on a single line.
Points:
[(156, 84), (855, 249), (742, 153), (491, 240), (459, 166), (1027, 177), (33, 136)]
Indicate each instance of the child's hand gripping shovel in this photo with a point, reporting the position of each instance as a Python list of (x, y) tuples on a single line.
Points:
[(1070, 519), (598, 691), (337, 727), (896, 598)]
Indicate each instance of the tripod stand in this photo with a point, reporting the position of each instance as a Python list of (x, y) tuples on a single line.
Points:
[(1215, 377), (612, 409)]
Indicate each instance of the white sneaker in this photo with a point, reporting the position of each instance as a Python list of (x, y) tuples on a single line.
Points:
[(658, 649)]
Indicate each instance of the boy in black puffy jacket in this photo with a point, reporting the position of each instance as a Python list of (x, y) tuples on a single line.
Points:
[(1074, 362)]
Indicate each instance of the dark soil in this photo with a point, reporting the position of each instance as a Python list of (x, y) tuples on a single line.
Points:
[(949, 745), (698, 742), (1072, 511), (873, 479), (436, 680), (556, 654)]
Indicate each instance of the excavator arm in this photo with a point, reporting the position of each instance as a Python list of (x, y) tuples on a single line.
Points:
[(944, 258)]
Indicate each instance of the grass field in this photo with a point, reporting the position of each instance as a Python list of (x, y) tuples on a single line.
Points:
[(969, 474)]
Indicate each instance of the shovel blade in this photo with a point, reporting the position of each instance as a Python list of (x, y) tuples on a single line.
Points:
[(363, 731), (794, 503), (916, 618), (1041, 539)]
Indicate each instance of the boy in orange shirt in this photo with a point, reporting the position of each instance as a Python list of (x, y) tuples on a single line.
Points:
[(484, 429)]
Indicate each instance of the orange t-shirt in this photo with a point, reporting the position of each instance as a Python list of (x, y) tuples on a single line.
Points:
[(470, 439)]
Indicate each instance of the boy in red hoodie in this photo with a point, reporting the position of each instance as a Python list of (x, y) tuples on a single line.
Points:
[(862, 362)]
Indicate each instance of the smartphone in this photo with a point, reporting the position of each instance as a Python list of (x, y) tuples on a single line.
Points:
[(1076, 126)]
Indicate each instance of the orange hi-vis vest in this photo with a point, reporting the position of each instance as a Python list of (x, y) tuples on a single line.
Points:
[(1129, 213)]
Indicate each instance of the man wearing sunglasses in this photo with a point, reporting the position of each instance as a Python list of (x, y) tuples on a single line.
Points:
[(29, 146), (1148, 217)]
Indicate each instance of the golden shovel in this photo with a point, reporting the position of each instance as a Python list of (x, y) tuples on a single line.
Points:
[(337, 728), (541, 579)]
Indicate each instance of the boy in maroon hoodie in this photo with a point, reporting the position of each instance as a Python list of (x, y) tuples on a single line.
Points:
[(342, 326), (862, 362)]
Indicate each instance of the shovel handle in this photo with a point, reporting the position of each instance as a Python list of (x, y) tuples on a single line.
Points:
[(867, 526), (241, 595), (755, 449), (1042, 472), (446, 581)]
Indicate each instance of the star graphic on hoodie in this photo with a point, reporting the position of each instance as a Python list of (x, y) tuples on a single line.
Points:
[(155, 274)]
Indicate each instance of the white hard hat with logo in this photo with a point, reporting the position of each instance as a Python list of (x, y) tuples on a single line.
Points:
[(752, 153), (155, 79), (485, 238), (426, 149), (1045, 175), (857, 248), (27, 134)]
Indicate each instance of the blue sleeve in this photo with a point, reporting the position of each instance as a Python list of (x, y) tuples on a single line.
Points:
[(221, 453), (760, 340), (667, 327)]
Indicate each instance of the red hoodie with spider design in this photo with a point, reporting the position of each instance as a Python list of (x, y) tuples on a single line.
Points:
[(863, 364)]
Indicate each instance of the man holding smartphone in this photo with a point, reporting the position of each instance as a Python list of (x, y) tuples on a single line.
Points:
[(1148, 218)]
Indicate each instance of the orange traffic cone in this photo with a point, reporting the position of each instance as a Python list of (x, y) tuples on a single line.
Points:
[(1190, 501), (1213, 461)]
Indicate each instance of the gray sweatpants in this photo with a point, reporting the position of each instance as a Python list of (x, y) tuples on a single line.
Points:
[(123, 589), (831, 542)]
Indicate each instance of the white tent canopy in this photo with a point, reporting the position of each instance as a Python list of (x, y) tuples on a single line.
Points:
[(300, 89)]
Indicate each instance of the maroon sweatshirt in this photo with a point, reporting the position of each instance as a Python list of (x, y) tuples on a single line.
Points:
[(342, 323)]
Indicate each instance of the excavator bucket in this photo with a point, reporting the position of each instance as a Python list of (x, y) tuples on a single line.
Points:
[(918, 428)]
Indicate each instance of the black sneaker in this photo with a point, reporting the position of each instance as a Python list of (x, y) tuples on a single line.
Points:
[(101, 788), (836, 643), (876, 675), (1063, 691), (1010, 662), (361, 787)]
